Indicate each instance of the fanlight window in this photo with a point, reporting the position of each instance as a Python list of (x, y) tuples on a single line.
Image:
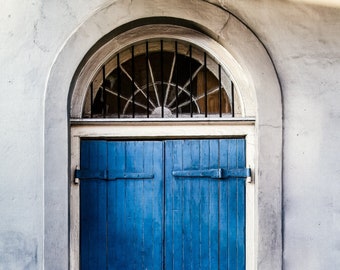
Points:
[(161, 79)]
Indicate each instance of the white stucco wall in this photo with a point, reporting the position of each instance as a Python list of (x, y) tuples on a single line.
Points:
[(303, 41), (32, 33)]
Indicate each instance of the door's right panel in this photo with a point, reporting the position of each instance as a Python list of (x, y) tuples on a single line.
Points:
[(205, 217)]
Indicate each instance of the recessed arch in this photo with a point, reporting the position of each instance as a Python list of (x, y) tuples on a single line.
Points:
[(237, 41), (160, 74), (244, 87)]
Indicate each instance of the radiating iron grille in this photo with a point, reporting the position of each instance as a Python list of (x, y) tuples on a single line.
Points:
[(160, 79)]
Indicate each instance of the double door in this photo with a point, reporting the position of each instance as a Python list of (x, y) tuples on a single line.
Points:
[(174, 204)]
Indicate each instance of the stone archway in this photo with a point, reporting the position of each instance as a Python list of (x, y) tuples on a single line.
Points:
[(247, 52)]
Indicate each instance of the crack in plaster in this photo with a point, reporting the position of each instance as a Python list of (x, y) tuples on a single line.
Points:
[(224, 27), (220, 5), (69, 9), (270, 126), (35, 38), (42, 16)]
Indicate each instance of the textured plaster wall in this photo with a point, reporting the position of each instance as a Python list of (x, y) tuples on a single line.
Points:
[(31, 34), (303, 40)]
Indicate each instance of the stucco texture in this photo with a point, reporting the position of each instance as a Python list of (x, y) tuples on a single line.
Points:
[(301, 37)]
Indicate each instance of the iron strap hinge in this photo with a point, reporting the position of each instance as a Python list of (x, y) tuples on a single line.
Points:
[(209, 173), (109, 175), (215, 173)]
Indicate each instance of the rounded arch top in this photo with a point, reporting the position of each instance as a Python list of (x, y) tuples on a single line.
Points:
[(240, 44), (246, 104), (244, 57)]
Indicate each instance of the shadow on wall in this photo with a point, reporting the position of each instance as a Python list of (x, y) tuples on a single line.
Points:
[(17, 251)]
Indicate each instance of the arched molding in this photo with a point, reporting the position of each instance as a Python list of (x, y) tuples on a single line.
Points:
[(164, 31), (256, 72)]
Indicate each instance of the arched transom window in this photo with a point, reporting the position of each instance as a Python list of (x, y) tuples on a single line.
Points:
[(161, 79)]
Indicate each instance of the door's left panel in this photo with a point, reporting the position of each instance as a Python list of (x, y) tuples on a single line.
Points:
[(126, 208)]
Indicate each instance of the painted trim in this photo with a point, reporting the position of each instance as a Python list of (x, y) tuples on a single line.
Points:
[(91, 121), (159, 130)]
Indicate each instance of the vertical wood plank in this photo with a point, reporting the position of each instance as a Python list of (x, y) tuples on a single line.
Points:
[(171, 198), (93, 207), (224, 216), (153, 206), (213, 208), (195, 185), (187, 222), (241, 207), (174, 206), (158, 205), (140, 217), (130, 186), (116, 206), (232, 206), (112, 208), (204, 206)]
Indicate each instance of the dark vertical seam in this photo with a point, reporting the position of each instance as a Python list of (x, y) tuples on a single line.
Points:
[(164, 208)]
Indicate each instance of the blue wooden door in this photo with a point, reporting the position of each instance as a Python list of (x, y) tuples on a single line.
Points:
[(205, 204), (121, 213), (177, 204)]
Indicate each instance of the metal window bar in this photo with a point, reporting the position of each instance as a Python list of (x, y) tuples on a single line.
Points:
[(162, 79), (232, 100), (118, 85), (190, 74), (205, 86), (184, 94), (147, 79), (91, 89), (103, 99), (177, 64), (220, 89), (133, 80)]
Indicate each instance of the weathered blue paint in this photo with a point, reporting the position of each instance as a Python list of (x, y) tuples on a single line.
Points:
[(210, 233), (110, 175), (213, 173), (93, 211), (135, 207), (180, 218), (121, 221)]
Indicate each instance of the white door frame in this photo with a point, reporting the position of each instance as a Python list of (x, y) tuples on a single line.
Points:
[(160, 130)]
